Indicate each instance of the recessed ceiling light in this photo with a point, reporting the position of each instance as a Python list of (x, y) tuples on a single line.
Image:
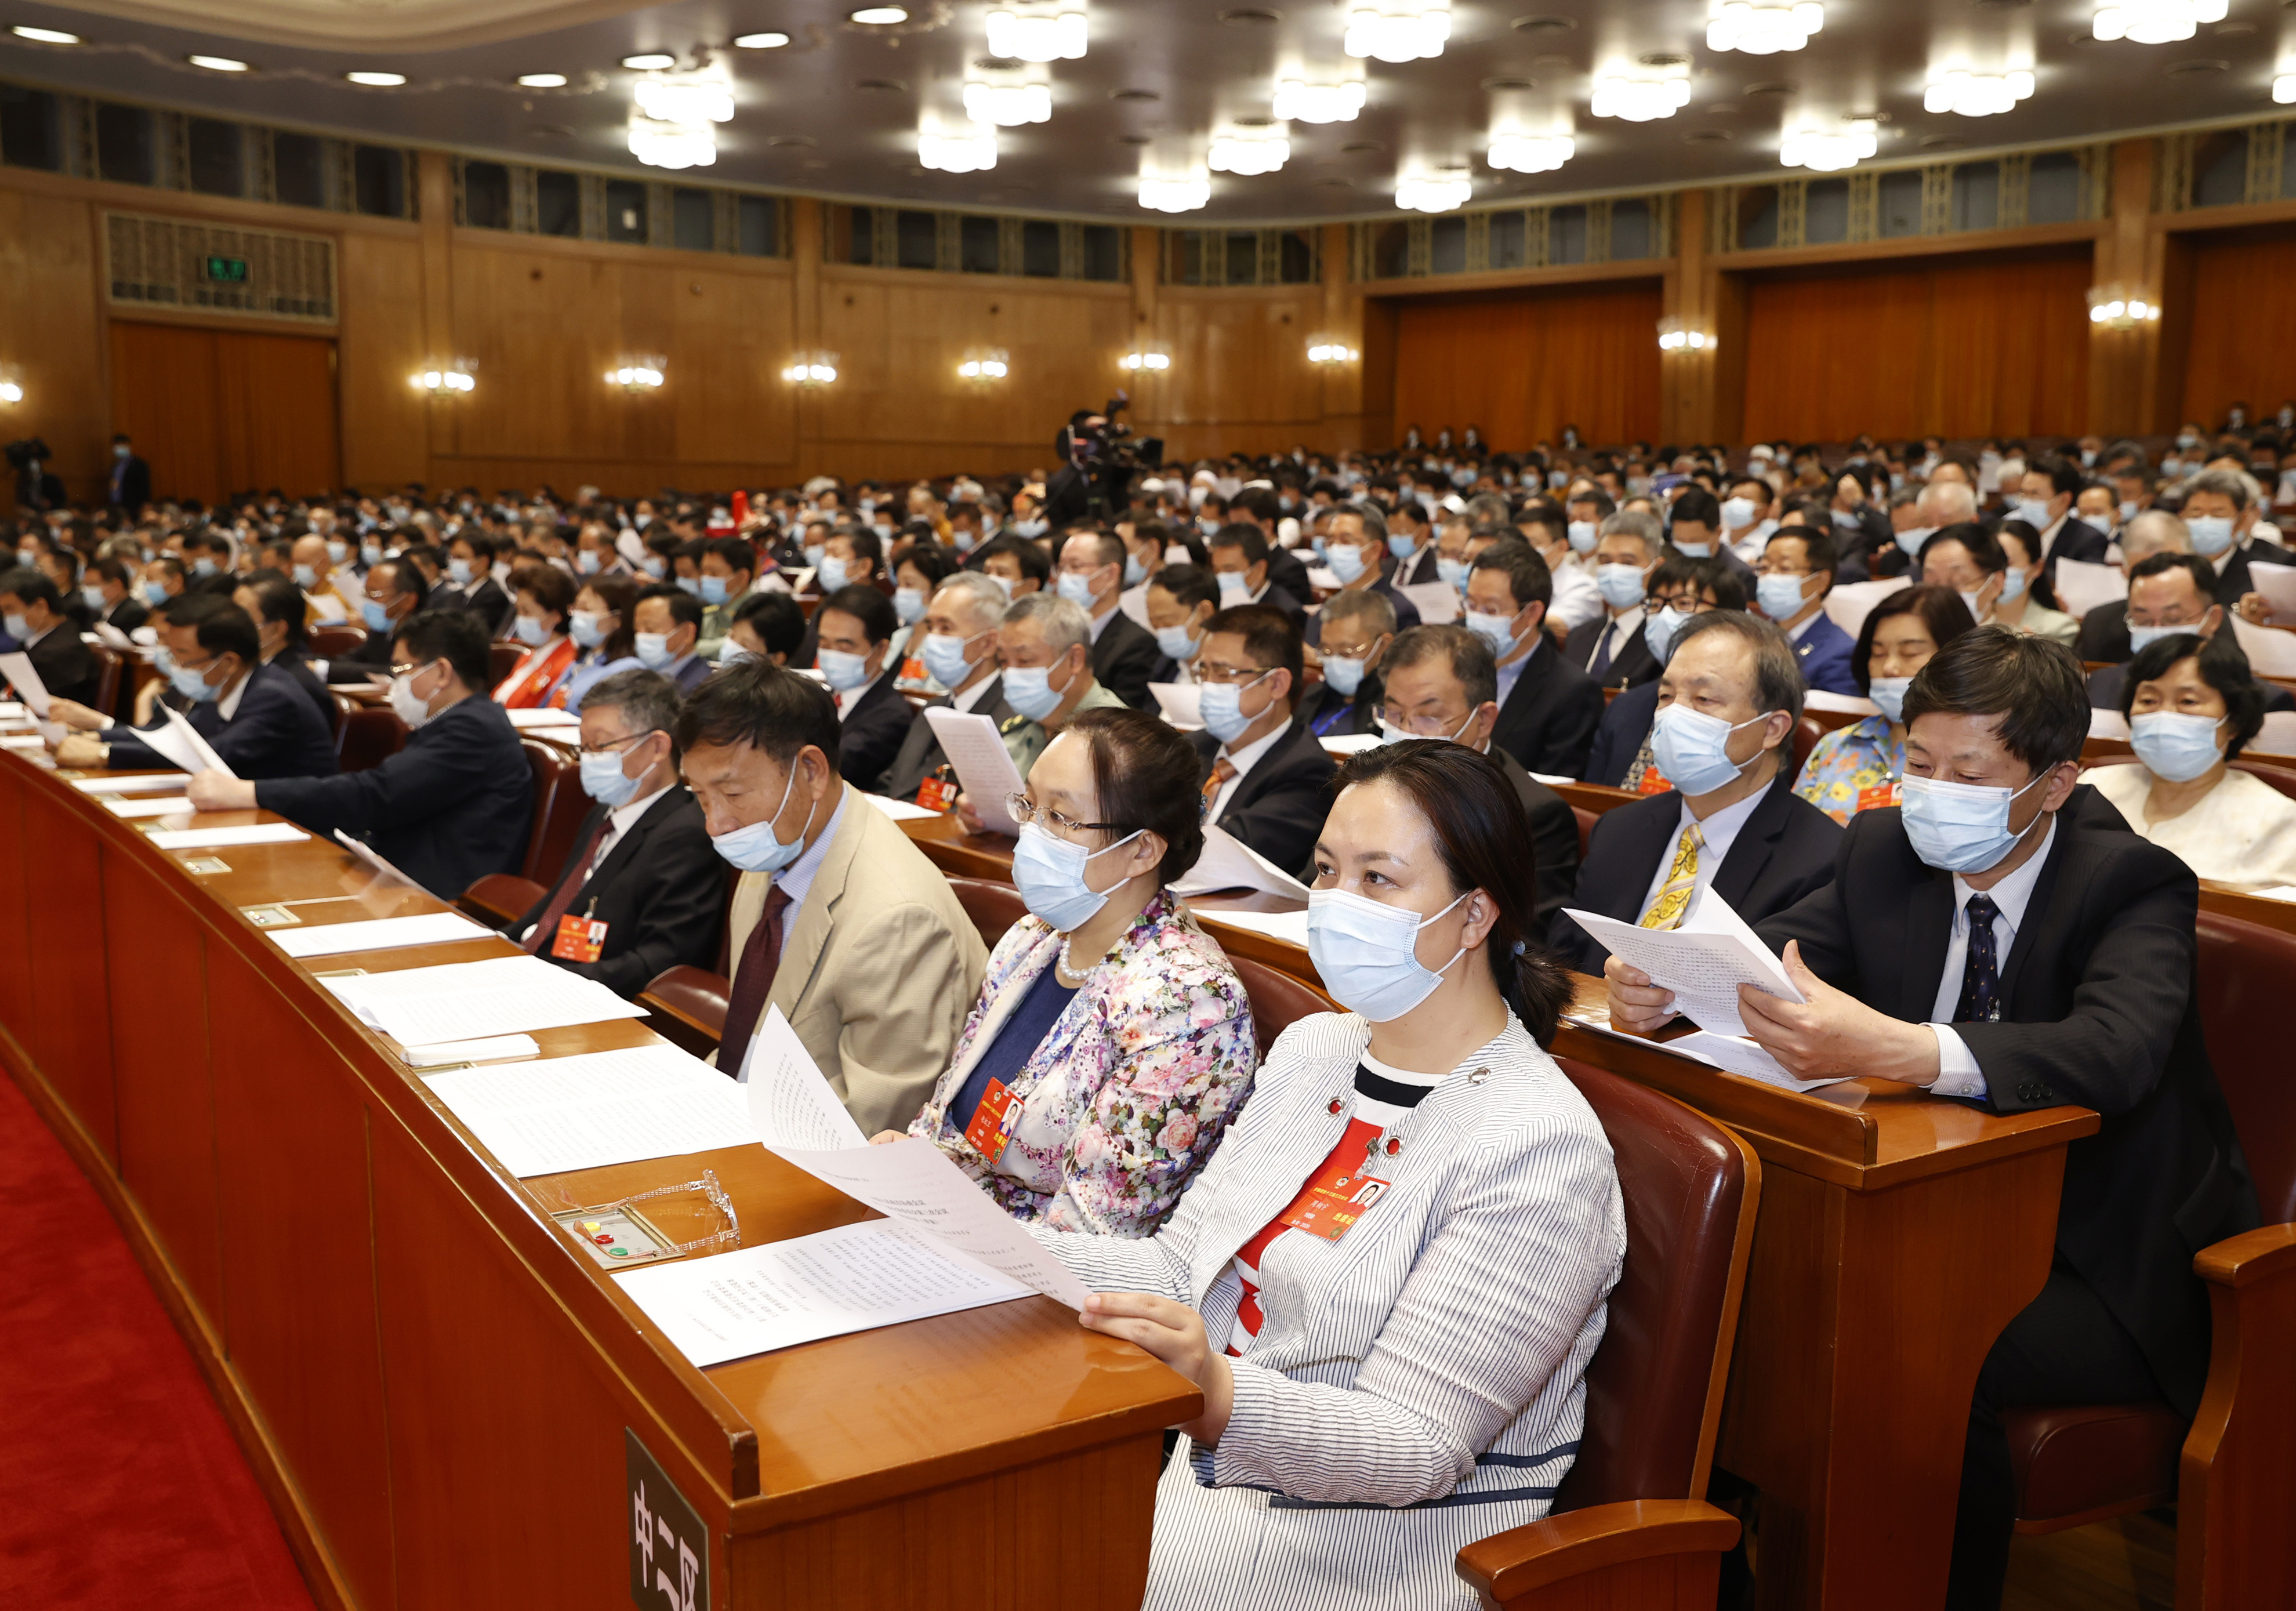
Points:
[(377, 80), (804, 140), (542, 80), (1508, 83), (879, 16), (1250, 18), (1543, 25), (766, 41), (1134, 95), (891, 84), (648, 61), (217, 64), (44, 36)]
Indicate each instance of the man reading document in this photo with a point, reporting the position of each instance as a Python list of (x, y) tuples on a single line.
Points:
[(2003, 938)]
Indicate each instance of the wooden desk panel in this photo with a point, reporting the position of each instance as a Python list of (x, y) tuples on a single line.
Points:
[(2237, 901), (430, 1378)]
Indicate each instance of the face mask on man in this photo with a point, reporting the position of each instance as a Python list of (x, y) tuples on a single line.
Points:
[(1221, 709), (1620, 585), (1959, 827), (830, 573), (2211, 534), (756, 848), (654, 650), (1692, 749), (1028, 689)]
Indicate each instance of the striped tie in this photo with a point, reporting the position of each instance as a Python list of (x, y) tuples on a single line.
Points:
[(1681, 879)]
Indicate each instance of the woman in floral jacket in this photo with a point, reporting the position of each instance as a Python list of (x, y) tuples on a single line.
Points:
[(1112, 1042)]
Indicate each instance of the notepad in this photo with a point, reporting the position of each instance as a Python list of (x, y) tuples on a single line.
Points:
[(464, 1001), (1703, 962), (146, 783), (377, 933), (204, 838), (984, 766), (1227, 862), (600, 1108), (149, 808), (900, 811)]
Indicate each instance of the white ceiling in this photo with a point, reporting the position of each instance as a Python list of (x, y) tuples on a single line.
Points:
[(837, 111)]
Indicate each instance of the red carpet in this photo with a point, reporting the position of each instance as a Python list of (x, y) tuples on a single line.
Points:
[(120, 1484)]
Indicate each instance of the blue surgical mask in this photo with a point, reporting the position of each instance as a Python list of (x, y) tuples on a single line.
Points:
[(1454, 571), (1236, 588), (377, 617), (813, 551), (2128, 511), (830, 575), (1346, 563), (690, 585), (842, 669), (654, 650), (602, 780), (1028, 689), (755, 848), (305, 577), (2033, 511), (1367, 954), (1620, 585), (369, 553), (1910, 539), (1343, 674), (16, 626), (1582, 536), (92, 596), (2211, 533), (909, 605), (1958, 827), (1076, 587), (1135, 572), (1738, 512), (654, 565), (713, 589), (1890, 694), (1691, 748), (1049, 873), (203, 567), (530, 630), (1222, 708), (943, 657), (1779, 597), (458, 572), (2174, 746), (1031, 530), (587, 561), (583, 627), (192, 684), (1493, 630), (2013, 584), (1176, 643), (155, 593), (1402, 547), (338, 551), (1696, 550)]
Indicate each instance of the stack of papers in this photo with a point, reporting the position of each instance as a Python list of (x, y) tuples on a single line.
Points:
[(602, 1108), (1227, 862), (2083, 585), (526, 720), (900, 811), (377, 933), (205, 839), (1733, 1055), (168, 805), (1703, 962), (464, 1001), (984, 766), (492, 1049), (141, 783), (1290, 926)]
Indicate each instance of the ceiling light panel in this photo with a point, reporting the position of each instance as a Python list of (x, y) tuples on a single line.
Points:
[(1009, 105), (1762, 30), (1043, 35), (1397, 32), (1297, 102)]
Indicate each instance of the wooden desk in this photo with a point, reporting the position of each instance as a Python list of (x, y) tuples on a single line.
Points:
[(430, 1380), (1898, 1234), (2239, 901)]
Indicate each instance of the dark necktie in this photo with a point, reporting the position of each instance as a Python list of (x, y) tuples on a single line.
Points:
[(577, 873), (1981, 971), (753, 982), (1602, 662)]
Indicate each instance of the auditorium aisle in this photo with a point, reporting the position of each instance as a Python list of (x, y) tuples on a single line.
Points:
[(121, 1484)]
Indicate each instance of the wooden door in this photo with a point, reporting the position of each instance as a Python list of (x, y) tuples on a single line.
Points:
[(217, 411)]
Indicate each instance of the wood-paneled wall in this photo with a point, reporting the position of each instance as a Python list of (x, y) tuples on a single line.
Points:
[(214, 410), (2243, 345), (1962, 347)]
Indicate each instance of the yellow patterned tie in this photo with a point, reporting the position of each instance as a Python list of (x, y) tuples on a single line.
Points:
[(1681, 879)]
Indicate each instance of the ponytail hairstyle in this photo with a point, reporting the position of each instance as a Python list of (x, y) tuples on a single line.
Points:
[(1484, 836)]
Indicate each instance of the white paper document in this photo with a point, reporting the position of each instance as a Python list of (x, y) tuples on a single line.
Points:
[(17, 669), (377, 933), (912, 1183), (142, 784), (1290, 925), (112, 637), (525, 720), (2083, 585), (2271, 652), (1848, 605), (1180, 704), (984, 766), (1703, 962), (23, 741), (209, 760), (791, 1101), (2277, 584), (900, 811), (13, 710), (1438, 603), (462, 1000), (492, 1049), (171, 806), (2107, 723), (162, 740), (602, 1108), (1741, 1057), (206, 839), (1227, 862), (1839, 704), (853, 1278), (1351, 743)]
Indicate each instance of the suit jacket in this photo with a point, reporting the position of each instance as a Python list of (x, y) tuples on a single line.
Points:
[(1278, 806), (2096, 1008), (1347, 717), (130, 613), (1631, 662), (67, 667), (879, 966), (291, 662), (2106, 684), (452, 807), (128, 483), (2076, 539), (2234, 581), (1406, 613), (1823, 652), (1548, 719), (870, 735), (1553, 840), (921, 754), (1373, 1420), (272, 732), (2105, 634), (371, 657), (1279, 597), (1785, 850), (1618, 737), (661, 892), (1123, 660), (1288, 571), (1420, 568), (485, 600)]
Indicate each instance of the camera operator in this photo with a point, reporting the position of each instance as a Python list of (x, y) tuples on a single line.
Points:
[(1099, 461)]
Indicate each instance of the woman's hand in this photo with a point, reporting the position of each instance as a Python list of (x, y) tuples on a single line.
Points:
[(966, 816), (1174, 1333), (886, 1138)]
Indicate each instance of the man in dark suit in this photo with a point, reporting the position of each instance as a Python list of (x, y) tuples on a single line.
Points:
[(1263, 773), (1181, 598), (1411, 540), (254, 716), (32, 614), (1240, 562), (1259, 508), (1547, 705), (110, 587), (452, 807), (855, 626), (958, 645), (1354, 547), (667, 620), (394, 593), (1442, 683), (207, 563), (1358, 627), (1732, 826), (1680, 587), (1610, 648), (2219, 519), (1796, 572), (275, 605), (1124, 653), (1695, 529), (470, 583), (643, 890), (128, 483), (2168, 592), (2034, 955), (2104, 629), (2043, 500)]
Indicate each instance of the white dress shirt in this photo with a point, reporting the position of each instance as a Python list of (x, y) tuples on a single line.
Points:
[(1720, 832), (2048, 538), (1749, 547), (1616, 635), (1244, 760), (971, 697), (1577, 600), (1958, 1071), (796, 880), (846, 701)]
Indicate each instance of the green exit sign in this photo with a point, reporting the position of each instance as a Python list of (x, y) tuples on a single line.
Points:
[(228, 271)]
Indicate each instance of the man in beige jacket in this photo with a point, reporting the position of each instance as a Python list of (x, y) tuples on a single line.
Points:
[(839, 920)]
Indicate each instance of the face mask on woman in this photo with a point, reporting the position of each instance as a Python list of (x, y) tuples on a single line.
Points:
[(1367, 954), (1049, 873), (2175, 746)]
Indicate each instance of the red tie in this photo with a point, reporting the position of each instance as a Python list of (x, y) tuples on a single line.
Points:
[(753, 982), (577, 873)]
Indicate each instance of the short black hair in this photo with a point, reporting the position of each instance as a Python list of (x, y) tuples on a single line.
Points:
[(1939, 609), (1706, 576), (1528, 579), (2033, 686), (227, 629), (1107, 546), (685, 609), (2064, 476), (1471, 659), (871, 608), (1700, 506), (1035, 565), (776, 617), (405, 578), (1144, 773), (863, 540), (1189, 585), (1817, 546), (2222, 666), (277, 598), (764, 706), (2204, 577), (1248, 539), (456, 636), (30, 585), (1270, 637), (1980, 544), (934, 563), (738, 553)]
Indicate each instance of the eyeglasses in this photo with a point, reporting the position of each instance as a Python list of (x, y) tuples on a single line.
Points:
[(709, 1187), (1245, 675), (614, 746), (1025, 811)]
